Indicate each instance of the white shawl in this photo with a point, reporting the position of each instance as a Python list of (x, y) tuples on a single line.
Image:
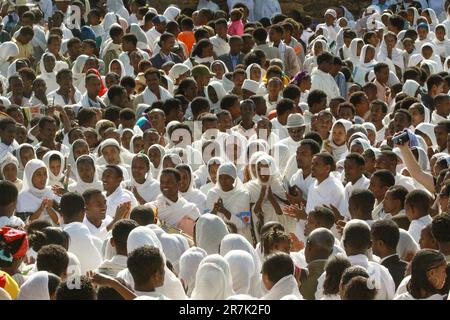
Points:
[(209, 232), (35, 287), (285, 286)]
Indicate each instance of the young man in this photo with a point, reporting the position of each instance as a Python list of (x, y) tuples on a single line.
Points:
[(287, 54), (381, 70), (85, 246), (378, 110), (246, 126), (91, 99), (321, 78), (167, 43), (295, 126), (385, 235), (354, 165), (360, 205), (357, 240), (221, 39), (114, 48), (154, 91), (394, 202), (362, 107), (435, 84), (319, 247), (159, 26), (115, 194), (23, 42), (440, 228), (173, 209), (66, 93), (47, 135), (278, 277), (441, 130), (388, 160), (234, 56), (284, 108), (146, 265), (8, 202), (120, 233), (98, 223), (417, 204), (7, 135), (441, 108), (380, 182), (143, 215), (53, 258)]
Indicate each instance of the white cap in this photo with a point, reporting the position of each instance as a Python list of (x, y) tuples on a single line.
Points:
[(295, 120), (250, 85), (177, 70)]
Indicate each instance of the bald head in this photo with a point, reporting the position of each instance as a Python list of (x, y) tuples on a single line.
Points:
[(319, 245)]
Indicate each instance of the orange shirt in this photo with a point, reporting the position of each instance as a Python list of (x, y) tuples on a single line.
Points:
[(187, 37)]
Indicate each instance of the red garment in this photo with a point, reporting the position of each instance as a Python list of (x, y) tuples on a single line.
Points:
[(10, 235), (103, 88)]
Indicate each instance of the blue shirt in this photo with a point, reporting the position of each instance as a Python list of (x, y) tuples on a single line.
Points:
[(234, 60), (341, 83)]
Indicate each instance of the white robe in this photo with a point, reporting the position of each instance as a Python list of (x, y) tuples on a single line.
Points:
[(285, 286), (119, 196), (173, 212)]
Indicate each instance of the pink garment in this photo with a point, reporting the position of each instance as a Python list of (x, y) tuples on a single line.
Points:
[(236, 28)]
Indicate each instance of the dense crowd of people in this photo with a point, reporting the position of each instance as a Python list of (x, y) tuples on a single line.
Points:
[(245, 153)]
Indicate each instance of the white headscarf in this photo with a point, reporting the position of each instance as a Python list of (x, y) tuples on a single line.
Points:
[(220, 92), (174, 245), (427, 129), (8, 49), (31, 167), (54, 179), (192, 194), (410, 88), (49, 77), (35, 287), (9, 159), (406, 244), (250, 67), (241, 267), (71, 159), (211, 283), (157, 170), (21, 165), (209, 232), (285, 286), (363, 68), (117, 7), (171, 13), (149, 190), (122, 68), (140, 35), (235, 241), (339, 152), (78, 74), (224, 68), (354, 58), (80, 186), (188, 266)]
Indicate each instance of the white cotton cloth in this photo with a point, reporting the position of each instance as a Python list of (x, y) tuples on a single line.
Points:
[(194, 195), (52, 178), (188, 266), (149, 190), (83, 245), (209, 232), (35, 287), (241, 268), (174, 245), (211, 283), (285, 286), (80, 185)]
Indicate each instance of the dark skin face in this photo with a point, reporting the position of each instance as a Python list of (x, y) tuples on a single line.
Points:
[(401, 122), (139, 169), (48, 132), (353, 171), (86, 172), (8, 134), (297, 133), (441, 136), (319, 169), (111, 181), (152, 81), (96, 209), (169, 186)]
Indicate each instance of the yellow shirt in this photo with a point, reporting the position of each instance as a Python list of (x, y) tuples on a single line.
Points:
[(25, 50), (9, 284)]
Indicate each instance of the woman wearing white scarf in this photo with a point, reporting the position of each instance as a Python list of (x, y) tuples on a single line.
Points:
[(361, 145), (191, 194), (234, 242), (8, 51), (209, 232), (37, 286), (133, 144), (52, 178), (156, 154), (189, 263), (339, 152), (174, 245), (413, 15), (434, 21), (427, 129), (78, 73), (241, 268), (267, 208), (140, 35), (117, 7), (317, 47), (257, 76), (19, 158), (11, 160), (32, 197), (216, 97), (80, 185), (397, 57), (148, 189), (441, 42), (219, 68), (111, 68), (232, 204), (102, 162), (144, 236), (366, 64), (411, 88), (354, 55), (78, 148), (48, 76), (171, 13), (207, 182), (211, 283)]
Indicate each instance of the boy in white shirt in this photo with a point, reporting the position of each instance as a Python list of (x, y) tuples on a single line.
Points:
[(417, 204)]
